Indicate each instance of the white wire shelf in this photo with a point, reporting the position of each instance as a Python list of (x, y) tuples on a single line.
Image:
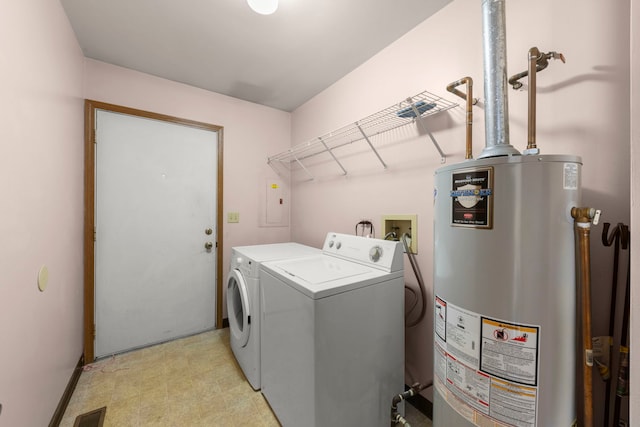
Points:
[(405, 112)]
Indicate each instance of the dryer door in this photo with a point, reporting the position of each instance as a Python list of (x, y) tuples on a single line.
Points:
[(238, 307)]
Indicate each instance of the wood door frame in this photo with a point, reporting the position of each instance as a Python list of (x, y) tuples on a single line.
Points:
[(90, 107)]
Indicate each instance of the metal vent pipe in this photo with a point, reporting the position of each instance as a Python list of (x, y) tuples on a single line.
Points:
[(496, 118)]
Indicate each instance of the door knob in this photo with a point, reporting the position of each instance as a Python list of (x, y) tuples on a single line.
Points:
[(208, 231), (208, 245)]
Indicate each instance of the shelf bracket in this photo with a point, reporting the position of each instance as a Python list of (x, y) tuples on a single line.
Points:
[(424, 128), (366, 138), (302, 166), (344, 171)]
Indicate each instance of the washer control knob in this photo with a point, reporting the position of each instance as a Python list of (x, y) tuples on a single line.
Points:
[(375, 253), (330, 243), (338, 245)]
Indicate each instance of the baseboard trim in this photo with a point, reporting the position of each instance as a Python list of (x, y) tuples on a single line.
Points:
[(422, 404), (66, 396)]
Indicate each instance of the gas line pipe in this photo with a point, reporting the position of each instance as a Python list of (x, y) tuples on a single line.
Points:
[(583, 218)]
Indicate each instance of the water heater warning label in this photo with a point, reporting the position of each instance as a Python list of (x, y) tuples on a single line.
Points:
[(441, 319), (510, 351), (486, 369), (471, 191)]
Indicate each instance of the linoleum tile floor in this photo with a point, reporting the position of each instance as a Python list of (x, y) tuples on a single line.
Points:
[(190, 382)]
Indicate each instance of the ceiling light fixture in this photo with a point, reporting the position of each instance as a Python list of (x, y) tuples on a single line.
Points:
[(263, 7)]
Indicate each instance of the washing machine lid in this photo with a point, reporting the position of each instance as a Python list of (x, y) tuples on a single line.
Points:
[(324, 275), (322, 269)]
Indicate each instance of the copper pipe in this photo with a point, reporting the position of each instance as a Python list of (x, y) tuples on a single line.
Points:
[(542, 62), (538, 61), (534, 54), (582, 219), (470, 102)]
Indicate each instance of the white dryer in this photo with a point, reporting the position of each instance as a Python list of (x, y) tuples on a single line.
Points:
[(243, 300), (333, 333)]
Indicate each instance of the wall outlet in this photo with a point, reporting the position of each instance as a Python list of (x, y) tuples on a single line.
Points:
[(401, 224), (233, 217)]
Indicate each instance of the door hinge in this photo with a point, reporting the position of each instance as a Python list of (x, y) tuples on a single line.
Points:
[(94, 234), (93, 332)]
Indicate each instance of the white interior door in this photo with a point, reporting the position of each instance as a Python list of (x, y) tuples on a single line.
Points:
[(155, 199)]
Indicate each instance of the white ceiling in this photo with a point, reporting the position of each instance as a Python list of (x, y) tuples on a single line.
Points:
[(281, 60)]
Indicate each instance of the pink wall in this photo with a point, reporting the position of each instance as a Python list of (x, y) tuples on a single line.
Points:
[(251, 133), (583, 109), (41, 175), (41, 129)]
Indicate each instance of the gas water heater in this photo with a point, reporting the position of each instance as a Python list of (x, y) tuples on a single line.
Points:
[(504, 289), (504, 271)]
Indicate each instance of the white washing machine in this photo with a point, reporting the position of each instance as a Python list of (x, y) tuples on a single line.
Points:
[(243, 300), (333, 333)]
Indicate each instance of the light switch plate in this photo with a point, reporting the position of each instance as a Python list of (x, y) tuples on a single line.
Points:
[(233, 216)]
